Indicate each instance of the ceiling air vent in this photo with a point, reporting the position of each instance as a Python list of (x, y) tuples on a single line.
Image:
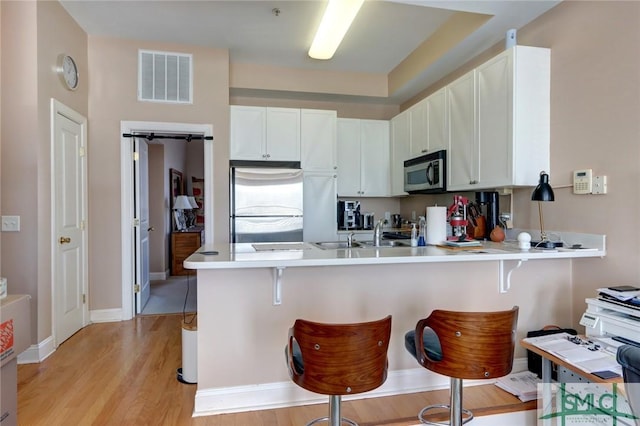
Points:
[(165, 77)]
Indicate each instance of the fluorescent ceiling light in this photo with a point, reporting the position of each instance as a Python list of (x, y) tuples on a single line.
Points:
[(336, 21)]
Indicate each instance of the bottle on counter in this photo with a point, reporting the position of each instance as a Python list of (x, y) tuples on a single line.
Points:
[(421, 232), (414, 235)]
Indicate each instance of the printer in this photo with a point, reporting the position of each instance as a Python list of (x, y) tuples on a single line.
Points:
[(607, 317)]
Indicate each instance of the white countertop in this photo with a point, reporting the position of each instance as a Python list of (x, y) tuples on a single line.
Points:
[(273, 255)]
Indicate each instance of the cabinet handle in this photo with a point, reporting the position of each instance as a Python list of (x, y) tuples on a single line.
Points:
[(65, 240), (473, 182), (425, 150)]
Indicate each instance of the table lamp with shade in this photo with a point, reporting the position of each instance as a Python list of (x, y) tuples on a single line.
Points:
[(543, 192), (180, 205), (191, 220)]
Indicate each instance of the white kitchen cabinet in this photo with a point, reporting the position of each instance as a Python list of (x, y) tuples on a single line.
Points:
[(513, 96), (265, 134), (462, 155), (399, 151), (428, 124), (320, 222), (363, 158), (437, 136), (318, 140), (418, 129), (508, 143)]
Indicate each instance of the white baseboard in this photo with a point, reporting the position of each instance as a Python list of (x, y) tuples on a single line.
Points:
[(37, 353), (159, 275), (287, 394), (106, 315)]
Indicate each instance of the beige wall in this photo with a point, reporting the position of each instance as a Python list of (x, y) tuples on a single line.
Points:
[(33, 35), (595, 104), (113, 64), (356, 293)]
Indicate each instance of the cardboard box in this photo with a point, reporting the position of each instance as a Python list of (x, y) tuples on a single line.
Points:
[(15, 338), (15, 326), (9, 393)]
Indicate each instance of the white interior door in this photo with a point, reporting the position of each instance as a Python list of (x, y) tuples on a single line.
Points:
[(141, 222), (69, 201)]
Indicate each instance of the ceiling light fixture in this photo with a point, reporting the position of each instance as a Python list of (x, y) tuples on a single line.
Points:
[(337, 19)]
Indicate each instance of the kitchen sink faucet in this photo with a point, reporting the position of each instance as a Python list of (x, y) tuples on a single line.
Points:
[(377, 232)]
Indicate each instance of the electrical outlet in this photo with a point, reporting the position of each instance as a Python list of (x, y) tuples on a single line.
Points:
[(10, 223)]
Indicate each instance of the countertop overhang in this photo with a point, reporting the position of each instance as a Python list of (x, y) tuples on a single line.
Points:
[(245, 255)]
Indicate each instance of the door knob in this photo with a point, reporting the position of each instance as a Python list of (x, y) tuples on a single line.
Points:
[(65, 240), (151, 229)]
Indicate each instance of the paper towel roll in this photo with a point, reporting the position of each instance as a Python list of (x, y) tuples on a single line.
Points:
[(436, 225)]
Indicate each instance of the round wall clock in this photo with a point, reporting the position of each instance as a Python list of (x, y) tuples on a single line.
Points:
[(68, 71)]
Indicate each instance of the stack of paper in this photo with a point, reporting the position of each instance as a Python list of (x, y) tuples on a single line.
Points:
[(623, 293), (524, 385), (585, 354)]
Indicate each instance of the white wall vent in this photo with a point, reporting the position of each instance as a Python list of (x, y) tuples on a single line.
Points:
[(165, 77)]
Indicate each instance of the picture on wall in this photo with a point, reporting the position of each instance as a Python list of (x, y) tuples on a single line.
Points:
[(176, 188), (197, 185), (177, 185)]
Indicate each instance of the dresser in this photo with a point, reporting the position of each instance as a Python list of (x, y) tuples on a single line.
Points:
[(183, 244)]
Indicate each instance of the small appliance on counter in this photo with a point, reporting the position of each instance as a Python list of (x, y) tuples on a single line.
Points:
[(488, 203), (349, 216), (368, 221)]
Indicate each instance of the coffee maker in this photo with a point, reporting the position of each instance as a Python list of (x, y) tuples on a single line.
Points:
[(349, 216), (489, 208)]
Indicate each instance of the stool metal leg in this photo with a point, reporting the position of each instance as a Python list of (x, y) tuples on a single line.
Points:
[(456, 402), (456, 411), (335, 416), (334, 410)]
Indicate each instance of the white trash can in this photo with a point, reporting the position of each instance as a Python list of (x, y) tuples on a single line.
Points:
[(189, 371)]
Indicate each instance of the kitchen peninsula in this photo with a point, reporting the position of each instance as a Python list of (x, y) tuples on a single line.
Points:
[(250, 294)]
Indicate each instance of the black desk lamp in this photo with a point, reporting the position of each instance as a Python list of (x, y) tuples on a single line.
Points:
[(543, 192)]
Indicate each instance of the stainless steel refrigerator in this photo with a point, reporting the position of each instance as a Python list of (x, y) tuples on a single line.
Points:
[(266, 202)]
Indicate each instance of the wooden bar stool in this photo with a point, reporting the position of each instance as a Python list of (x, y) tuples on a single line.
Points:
[(463, 345), (338, 359)]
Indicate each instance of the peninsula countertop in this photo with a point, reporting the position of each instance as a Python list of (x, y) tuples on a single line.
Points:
[(270, 255)]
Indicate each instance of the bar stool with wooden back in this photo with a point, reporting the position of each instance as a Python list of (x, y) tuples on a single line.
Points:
[(338, 359), (463, 345)]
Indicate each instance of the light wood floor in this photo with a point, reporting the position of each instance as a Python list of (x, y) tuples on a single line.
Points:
[(125, 374)]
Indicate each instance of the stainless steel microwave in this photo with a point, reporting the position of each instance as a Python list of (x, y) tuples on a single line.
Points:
[(426, 174)]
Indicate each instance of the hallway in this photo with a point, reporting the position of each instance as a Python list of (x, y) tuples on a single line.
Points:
[(174, 295)]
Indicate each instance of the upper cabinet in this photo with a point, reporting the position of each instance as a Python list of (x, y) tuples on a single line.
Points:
[(399, 151), (318, 140), (428, 125), (363, 158), (499, 122), (462, 155), (265, 134), (418, 135), (437, 124)]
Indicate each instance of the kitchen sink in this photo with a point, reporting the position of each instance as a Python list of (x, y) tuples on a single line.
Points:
[(386, 243), (329, 245)]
